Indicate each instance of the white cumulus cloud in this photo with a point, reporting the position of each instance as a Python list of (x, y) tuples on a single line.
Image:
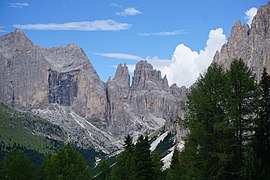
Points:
[(163, 33), (250, 15), (129, 12), (19, 5), (186, 64), (98, 25)]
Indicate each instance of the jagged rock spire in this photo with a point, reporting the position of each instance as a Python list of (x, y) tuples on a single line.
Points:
[(251, 44), (147, 78), (122, 74)]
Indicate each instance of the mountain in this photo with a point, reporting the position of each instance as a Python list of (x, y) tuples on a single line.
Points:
[(250, 43), (60, 85)]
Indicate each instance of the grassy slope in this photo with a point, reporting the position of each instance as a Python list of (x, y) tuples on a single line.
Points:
[(27, 130)]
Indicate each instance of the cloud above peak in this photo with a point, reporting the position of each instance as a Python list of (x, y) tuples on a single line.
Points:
[(186, 65), (250, 13), (97, 25), (129, 12)]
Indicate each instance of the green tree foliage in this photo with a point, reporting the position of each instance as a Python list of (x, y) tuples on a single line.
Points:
[(221, 111), (104, 170), (124, 168), (251, 164), (66, 164), (143, 162), (16, 166), (205, 153), (242, 105), (262, 131), (173, 173), (129, 147), (157, 165), (136, 162)]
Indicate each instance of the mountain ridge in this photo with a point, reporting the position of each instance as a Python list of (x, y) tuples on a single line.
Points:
[(61, 85)]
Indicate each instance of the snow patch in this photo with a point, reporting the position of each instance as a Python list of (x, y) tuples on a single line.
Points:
[(167, 159), (154, 144)]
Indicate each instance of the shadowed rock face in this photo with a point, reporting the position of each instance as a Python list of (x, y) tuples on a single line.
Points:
[(61, 85), (251, 44)]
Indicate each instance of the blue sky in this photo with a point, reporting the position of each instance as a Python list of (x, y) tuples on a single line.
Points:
[(177, 37)]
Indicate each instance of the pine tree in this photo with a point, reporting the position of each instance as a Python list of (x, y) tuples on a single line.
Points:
[(206, 153), (66, 164), (262, 132), (173, 171), (251, 164), (142, 159), (104, 169), (241, 106), (157, 165), (221, 112), (17, 166), (128, 144), (124, 168)]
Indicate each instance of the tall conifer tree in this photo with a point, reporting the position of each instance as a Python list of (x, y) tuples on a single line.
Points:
[(262, 133)]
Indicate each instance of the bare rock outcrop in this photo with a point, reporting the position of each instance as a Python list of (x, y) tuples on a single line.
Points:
[(251, 44)]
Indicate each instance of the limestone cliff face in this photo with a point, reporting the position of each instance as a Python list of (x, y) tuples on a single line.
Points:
[(23, 84), (151, 94), (252, 44), (61, 85), (146, 78), (73, 81)]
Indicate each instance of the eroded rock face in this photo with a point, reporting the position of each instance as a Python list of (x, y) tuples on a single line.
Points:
[(251, 44), (61, 85), (145, 106), (23, 84), (146, 78)]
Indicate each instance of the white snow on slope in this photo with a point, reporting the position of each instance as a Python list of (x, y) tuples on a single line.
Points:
[(167, 159), (154, 144)]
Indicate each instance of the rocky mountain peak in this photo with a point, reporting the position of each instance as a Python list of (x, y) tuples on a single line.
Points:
[(261, 22), (165, 83), (147, 78), (20, 38), (144, 65), (122, 75), (251, 44), (238, 29), (18, 31), (14, 42)]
